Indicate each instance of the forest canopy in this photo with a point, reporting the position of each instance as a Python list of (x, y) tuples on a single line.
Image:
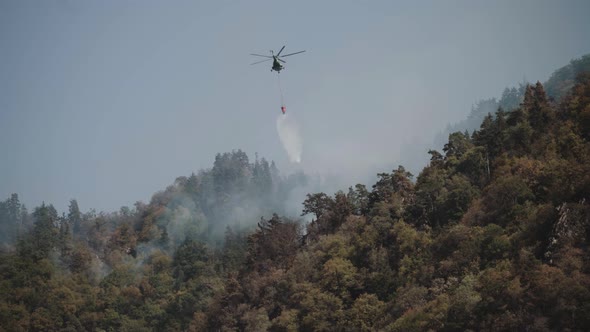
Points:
[(491, 235)]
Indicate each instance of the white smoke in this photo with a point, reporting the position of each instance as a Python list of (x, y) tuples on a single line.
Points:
[(289, 135)]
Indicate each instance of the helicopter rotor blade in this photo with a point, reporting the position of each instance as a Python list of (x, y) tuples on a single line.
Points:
[(264, 56), (260, 61), (282, 48), (282, 56), (281, 60)]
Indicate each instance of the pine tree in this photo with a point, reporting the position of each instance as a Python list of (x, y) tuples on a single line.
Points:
[(539, 112), (75, 218)]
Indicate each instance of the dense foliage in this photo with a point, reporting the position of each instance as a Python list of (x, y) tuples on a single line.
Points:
[(491, 235)]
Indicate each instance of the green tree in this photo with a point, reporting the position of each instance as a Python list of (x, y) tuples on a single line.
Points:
[(190, 260), (11, 220), (397, 186), (274, 243), (458, 145), (44, 236), (318, 204), (75, 218), (365, 313), (358, 198), (262, 179), (339, 276), (320, 311)]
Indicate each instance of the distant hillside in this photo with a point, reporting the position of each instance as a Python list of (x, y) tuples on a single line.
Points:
[(559, 84), (233, 193), (563, 80)]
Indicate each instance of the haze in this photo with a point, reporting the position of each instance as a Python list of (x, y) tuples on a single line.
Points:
[(108, 102)]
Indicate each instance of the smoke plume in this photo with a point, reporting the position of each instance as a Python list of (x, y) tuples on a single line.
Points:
[(290, 137)]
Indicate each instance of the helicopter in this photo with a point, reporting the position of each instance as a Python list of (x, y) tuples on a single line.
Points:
[(276, 59)]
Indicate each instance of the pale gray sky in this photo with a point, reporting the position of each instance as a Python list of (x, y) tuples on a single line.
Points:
[(109, 101)]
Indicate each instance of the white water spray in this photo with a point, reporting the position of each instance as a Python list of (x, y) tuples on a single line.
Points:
[(289, 135)]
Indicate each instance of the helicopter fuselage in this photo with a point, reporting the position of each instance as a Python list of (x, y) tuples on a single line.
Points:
[(276, 65)]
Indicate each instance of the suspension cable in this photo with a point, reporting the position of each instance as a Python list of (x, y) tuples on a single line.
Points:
[(281, 91)]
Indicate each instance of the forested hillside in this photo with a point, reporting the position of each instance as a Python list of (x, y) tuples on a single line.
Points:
[(491, 235), (556, 87)]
